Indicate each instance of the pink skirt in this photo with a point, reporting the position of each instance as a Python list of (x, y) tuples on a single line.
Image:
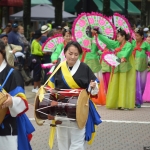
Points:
[(146, 94), (106, 77)]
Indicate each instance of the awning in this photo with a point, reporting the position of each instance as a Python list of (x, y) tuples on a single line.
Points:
[(132, 9), (99, 4), (113, 6), (11, 3), (70, 5), (19, 3), (38, 2)]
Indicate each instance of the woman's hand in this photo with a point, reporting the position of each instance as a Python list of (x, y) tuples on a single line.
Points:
[(14, 51), (8, 102), (123, 60), (92, 84), (54, 62)]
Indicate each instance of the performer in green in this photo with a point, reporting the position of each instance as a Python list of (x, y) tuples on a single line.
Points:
[(140, 47), (121, 89)]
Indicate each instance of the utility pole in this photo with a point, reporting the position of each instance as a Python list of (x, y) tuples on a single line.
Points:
[(143, 12), (58, 11), (26, 17), (84, 4), (106, 7), (126, 8)]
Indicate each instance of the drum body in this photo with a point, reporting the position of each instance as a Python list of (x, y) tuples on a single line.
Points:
[(62, 109), (74, 106)]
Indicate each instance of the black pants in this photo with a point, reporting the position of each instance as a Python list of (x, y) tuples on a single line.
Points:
[(35, 65)]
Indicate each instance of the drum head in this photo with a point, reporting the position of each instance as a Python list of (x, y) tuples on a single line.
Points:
[(82, 109), (2, 114), (3, 111), (38, 120)]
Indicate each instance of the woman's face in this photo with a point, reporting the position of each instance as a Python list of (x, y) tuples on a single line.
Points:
[(93, 32), (67, 37), (1, 58), (138, 37), (72, 55), (21, 30), (148, 39), (120, 38), (5, 40)]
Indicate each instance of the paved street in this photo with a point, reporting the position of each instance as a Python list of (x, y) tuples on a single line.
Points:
[(120, 130)]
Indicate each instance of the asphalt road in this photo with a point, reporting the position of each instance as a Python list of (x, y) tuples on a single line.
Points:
[(120, 130)]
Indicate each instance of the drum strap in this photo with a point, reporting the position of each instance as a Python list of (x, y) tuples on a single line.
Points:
[(49, 80), (10, 71), (68, 77), (66, 74), (1, 88)]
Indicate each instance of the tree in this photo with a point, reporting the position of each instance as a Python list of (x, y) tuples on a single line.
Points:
[(26, 17), (106, 7), (144, 5), (58, 11)]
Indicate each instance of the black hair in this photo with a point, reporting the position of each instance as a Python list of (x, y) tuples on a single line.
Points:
[(139, 31), (66, 30), (2, 49), (49, 21), (96, 29), (51, 32), (75, 44), (123, 33), (63, 24), (37, 34)]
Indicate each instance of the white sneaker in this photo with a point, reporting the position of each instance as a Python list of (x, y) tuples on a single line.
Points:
[(35, 90)]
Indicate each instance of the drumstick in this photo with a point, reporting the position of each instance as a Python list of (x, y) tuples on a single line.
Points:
[(59, 117), (49, 89), (89, 94), (60, 126), (64, 126), (43, 108), (63, 103), (72, 91)]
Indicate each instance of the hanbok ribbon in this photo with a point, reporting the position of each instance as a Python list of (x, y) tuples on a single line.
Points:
[(119, 48), (137, 48)]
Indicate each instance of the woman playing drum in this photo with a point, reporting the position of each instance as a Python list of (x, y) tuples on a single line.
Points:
[(14, 124), (73, 74)]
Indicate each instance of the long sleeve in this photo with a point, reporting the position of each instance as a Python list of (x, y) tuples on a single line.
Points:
[(126, 51), (36, 48), (17, 107), (146, 46), (111, 44), (10, 38), (26, 43), (92, 77), (16, 47), (95, 90), (20, 104), (57, 52)]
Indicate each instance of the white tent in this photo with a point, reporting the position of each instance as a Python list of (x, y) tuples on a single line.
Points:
[(42, 12)]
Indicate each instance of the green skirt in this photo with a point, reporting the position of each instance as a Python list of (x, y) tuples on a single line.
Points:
[(121, 89)]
